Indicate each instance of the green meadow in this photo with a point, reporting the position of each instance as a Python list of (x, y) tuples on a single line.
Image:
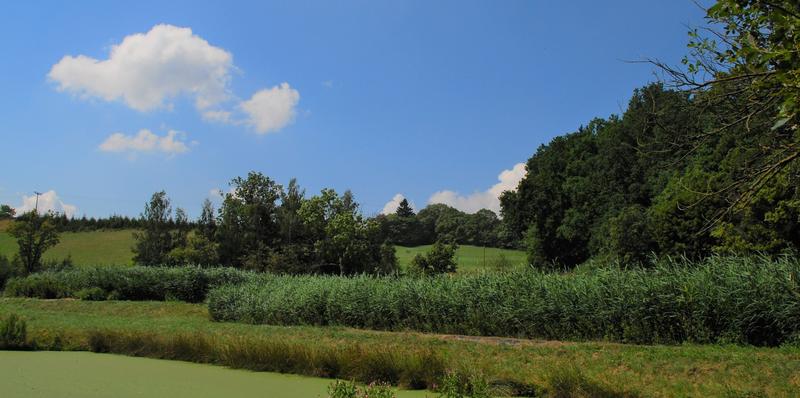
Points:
[(110, 247), (114, 247)]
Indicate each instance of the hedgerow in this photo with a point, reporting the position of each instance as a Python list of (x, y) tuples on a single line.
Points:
[(720, 300), (189, 284)]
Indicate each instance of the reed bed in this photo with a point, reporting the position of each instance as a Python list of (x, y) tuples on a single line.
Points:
[(720, 300)]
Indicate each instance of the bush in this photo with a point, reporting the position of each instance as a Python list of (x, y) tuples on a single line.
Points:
[(190, 284), (13, 333), (91, 294), (439, 260), (722, 300), (9, 269), (463, 385), (344, 389)]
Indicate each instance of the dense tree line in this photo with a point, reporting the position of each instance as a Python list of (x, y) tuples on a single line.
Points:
[(624, 187), (440, 222), (710, 165), (64, 223), (263, 226)]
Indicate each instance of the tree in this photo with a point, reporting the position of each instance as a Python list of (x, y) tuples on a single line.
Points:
[(248, 219), (207, 223), (181, 232), (35, 234), (6, 211), (404, 209), (746, 78), (289, 222), (155, 241)]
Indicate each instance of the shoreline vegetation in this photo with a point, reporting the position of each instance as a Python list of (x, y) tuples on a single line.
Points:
[(182, 331), (742, 300)]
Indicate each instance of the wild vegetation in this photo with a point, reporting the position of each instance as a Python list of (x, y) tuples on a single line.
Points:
[(509, 366), (721, 300), (711, 167), (190, 284), (677, 223)]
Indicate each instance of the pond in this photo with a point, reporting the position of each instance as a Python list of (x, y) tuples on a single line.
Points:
[(86, 375)]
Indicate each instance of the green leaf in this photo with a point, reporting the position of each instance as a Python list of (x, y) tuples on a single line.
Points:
[(780, 122)]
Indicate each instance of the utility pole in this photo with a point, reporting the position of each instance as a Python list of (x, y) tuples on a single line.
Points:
[(37, 201)]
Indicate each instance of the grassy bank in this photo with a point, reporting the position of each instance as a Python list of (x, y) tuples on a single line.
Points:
[(721, 300), (660, 371)]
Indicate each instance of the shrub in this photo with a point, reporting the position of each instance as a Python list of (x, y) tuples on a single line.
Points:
[(65, 264), (722, 300), (463, 385), (344, 389), (13, 333), (91, 294), (189, 284), (43, 285), (9, 269), (439, 260)]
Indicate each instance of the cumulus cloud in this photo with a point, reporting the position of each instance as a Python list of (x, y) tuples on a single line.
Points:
[(391, 206), (489, 199), (271, 109), (145, 141), (146, 70), (48, 201)]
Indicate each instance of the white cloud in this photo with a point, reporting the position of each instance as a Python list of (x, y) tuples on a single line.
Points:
[(146, 70), (145, 141), (217, 116), (391, 206), (489, 199), (48, 201), (271, 109)]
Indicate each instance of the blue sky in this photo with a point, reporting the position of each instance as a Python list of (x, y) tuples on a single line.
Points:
[(432, 100)]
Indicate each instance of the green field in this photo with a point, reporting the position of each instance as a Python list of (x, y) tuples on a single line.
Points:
[(111, 247), (660, 371), (469, 258), (83, 374)]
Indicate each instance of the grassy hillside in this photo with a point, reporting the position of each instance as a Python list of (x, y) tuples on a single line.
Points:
[(657, 371), (114, 248), (85, 248), (469, 258)]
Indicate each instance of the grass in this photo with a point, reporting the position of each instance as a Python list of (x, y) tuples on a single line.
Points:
[(42, 374), (659, 371), (114, 247), (469, 258), (111, 247), (4, 224)]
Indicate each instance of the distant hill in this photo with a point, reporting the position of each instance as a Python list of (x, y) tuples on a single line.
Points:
[(112, 247)]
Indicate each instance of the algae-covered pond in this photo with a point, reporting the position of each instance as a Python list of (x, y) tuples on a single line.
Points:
[(86, 375)]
